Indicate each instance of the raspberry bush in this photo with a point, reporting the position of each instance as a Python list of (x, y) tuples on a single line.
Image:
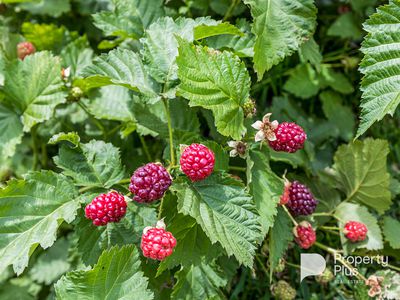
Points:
[(195, 149)]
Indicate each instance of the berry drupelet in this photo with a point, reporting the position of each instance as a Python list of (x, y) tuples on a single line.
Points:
[(197, 162), (299, 199), (106, 208), (149, 183)]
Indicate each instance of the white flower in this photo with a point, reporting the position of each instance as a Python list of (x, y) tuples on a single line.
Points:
[(66, 72), (239, 148), (266, 129)]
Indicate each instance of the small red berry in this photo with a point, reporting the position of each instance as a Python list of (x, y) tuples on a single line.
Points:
[(355, 231), (24, 49), (304, 235), (150, 182), (197, 162), (290, 137), (106, 208), (157, 243), (300, 200)]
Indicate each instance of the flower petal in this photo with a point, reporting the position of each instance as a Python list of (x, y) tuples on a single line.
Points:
[(274, 124), (233, 144), (259, 136), (233, 153), (257, 125), (266, 118)]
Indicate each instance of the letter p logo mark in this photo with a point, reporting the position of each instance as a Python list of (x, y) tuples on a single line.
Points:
[(311, 264)]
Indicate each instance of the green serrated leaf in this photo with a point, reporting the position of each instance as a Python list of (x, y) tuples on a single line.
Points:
[(336, 80), (160, 47), (34, 87), (242, 46), (71, 137), (52, 263), (10, 131), (380, 66), (43, 36), (121, 67), (193, 246), (54, 8), (391, 229), (30, 212), (345, 26), (112, 103), (116, 275), (129, 18), (77, 55), (280, 237), (280, 28), (205, 31), (310, 52), (217, 81), (225, 212), (265, 186), (337, 113), (96, 164), (303, 82), (360, 171), (199, 282), (353, 212)]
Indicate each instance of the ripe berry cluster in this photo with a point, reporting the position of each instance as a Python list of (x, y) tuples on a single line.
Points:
[(148, 184)]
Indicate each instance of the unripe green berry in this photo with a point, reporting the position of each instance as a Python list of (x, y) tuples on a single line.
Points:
[(325, 277), (283, 291)]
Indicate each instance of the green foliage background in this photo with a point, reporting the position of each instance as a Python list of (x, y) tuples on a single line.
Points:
[(147, 76)]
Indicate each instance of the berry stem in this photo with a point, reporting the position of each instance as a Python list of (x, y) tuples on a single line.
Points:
[(322, 214), (170, 131), (329, 228), (290, 215), (145, 148), (235, 168)]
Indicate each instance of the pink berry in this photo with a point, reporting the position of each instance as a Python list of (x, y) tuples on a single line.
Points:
[(304, 235), (290, 137), (355, 231), (150, 182), (24, 49), (106, 208), (157, 243), (197, 162)]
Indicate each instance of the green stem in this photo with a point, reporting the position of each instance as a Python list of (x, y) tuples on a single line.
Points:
[(262, 265), (145, 148), (35, 148), (322, 214), (329, 228), (230, 10), (125, 180), (293, 265), (235, 168), (171, 133), (290, 215)]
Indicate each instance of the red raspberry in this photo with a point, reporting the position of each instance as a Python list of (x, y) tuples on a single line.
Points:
[(300, 199), (150, 182), (290, 137), (157, 243), (197, 162), (355, 231), (304, 235), (24, 49), (106, 208)]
